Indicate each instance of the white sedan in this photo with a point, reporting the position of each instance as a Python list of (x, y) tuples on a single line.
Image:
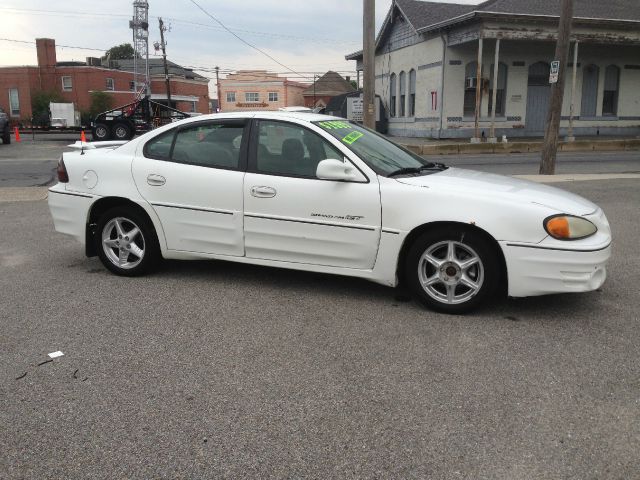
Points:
[(318, 193)]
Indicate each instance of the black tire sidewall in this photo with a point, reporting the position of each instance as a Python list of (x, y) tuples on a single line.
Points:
[(127, 129), (6, 137), (152, 249), (485, 249)]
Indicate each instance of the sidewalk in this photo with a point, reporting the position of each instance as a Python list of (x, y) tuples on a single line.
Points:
[(428, 146)]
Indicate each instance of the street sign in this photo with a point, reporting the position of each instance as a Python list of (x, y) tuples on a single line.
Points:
[(555, 70)]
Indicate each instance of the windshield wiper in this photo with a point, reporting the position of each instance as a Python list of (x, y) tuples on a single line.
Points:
[(409, 170)]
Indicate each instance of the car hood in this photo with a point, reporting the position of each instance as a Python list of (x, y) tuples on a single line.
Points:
[(508, 188)]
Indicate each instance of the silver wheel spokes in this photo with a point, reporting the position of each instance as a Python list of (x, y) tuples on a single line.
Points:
[(450, 272), (123, 243)]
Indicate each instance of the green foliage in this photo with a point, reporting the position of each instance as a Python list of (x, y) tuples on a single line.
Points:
[(354, 84), (120, 52), (100, 102), (40, 100)]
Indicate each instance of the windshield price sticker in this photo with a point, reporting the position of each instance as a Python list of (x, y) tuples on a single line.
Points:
[(352, 137), (335, 125)]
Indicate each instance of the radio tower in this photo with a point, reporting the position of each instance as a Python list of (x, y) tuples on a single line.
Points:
[(140, 27)]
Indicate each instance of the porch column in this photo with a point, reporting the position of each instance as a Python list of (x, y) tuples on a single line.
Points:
[(492, 134), (570, 137), (476, 136)]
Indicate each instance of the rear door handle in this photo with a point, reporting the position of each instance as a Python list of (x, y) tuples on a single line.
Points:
[(263, 192), (156, 180)]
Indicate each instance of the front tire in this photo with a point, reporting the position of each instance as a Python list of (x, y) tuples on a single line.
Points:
[(452, 270), (6, 137), (126, 242)]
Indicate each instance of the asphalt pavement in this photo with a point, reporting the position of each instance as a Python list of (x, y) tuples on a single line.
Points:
[(221, 370)]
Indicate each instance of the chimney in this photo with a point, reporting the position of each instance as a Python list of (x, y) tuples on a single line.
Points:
[(348, 78), (46, 48)]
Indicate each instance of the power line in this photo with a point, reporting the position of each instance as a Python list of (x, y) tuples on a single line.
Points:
[(57, 45), (242, 39)]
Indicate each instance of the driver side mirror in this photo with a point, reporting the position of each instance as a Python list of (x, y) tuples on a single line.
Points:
[(332, 169)]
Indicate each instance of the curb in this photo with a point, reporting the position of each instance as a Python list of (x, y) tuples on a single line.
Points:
[(524, 147), (23, 194)]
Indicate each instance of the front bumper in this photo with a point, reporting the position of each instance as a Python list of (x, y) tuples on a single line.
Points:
[(534, 270)]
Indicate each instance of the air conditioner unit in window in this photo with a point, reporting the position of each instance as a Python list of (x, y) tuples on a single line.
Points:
[(471, 82)]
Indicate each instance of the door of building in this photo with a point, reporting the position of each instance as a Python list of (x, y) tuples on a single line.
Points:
[(538, 95)]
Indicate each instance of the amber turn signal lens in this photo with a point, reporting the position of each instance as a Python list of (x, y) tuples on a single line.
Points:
[(558, 227)]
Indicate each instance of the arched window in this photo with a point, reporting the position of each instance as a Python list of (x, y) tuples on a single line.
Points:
[(392, 95), (611, 86), (501, 94), (470, 73), (403, 94), (412, 93), (589, 91)]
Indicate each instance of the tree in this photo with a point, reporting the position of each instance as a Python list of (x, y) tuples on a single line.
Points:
[(100, 102), (120, 52), (354, 84), (40, 100)]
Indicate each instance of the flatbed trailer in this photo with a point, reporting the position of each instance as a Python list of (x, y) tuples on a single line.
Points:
[(135, 118)]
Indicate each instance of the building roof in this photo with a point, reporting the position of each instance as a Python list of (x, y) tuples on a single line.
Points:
[(426, 16), (330, 84), (156, 67)]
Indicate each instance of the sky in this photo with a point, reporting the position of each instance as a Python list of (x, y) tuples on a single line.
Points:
[(310, 36)]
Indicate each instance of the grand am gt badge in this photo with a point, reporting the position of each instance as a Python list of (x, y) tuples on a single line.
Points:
[(338, 217)]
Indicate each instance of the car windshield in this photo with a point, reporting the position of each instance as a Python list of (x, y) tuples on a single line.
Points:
[(383, 156)]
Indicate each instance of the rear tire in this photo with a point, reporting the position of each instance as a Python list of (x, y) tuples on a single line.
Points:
[(121, 131), (101, 132), (126, 242), (453, 269), (6, 137)]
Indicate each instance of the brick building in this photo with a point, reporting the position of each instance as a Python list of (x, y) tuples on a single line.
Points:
[(329, 85), (259, 90), (75, 81)]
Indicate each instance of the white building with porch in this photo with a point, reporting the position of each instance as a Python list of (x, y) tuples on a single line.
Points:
[(427, 57)]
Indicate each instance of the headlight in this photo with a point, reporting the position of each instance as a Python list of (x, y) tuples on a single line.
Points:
[(568, 227)]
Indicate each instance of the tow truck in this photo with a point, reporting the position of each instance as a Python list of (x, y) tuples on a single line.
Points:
[(137, 117)]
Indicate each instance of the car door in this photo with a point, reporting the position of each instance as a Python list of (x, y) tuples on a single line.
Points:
[(291, 215), (193, 178)]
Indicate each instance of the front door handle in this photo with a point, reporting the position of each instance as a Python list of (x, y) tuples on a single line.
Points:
[(263, 192), (156, 180)]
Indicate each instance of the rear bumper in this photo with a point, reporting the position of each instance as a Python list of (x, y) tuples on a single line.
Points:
[(69, 211), (540, 271)]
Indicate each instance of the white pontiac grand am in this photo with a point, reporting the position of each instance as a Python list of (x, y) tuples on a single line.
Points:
[(318, 193)]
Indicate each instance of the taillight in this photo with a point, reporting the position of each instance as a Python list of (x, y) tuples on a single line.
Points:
[(63, 176)]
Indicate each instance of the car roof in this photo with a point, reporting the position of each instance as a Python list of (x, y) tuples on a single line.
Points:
[(275, 115)]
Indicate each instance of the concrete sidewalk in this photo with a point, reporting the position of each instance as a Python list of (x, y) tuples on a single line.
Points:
[(423, 146)]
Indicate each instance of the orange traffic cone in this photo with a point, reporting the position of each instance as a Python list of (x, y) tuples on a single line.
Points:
[(17, 135), (83, 138)]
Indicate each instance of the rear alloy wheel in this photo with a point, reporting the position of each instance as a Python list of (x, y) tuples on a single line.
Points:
[(126, 242), (101, 132), (121, 131), (452, 271)]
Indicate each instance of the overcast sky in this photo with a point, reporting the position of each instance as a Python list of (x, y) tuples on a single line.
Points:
[(306, 36)]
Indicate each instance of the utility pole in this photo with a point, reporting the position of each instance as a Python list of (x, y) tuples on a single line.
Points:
[(218, 88), (164, 60), (368, 52), (550, 146)]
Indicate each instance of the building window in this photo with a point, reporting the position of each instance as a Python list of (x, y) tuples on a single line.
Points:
[(403, 94), (470, 82), (273, 96), (589, 104), (110, 84), (252, 97), (231, 97), (132, 86), (393, 93), (611, 86), (412, 93), (501, 94), (67, 84), (192, 107), (14, 102)]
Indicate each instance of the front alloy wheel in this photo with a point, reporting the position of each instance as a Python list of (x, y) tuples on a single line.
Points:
[(453, 270)]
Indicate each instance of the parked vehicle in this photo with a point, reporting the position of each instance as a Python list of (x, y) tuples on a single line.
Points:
[(5, 129), (126, 121), (317, 193), (64, 116)]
